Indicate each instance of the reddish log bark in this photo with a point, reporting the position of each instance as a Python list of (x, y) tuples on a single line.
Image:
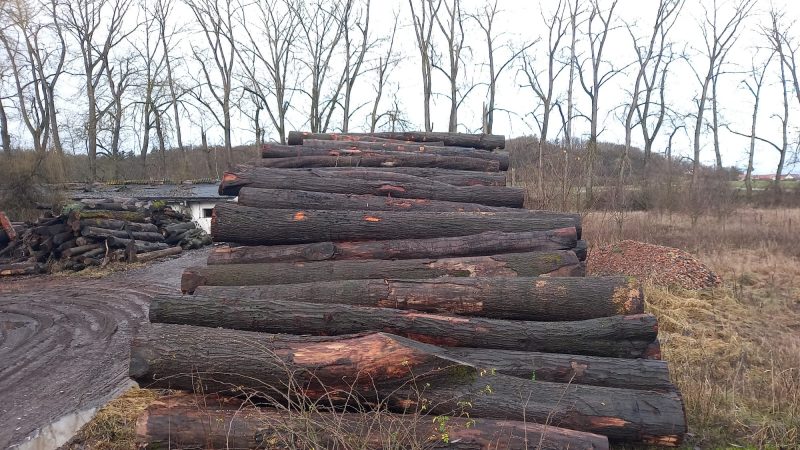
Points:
[(488, 243), (483, 141), (616, 336), (401, 373), (290, 199), (214, 421), (524, 298), (355, 149), (382, 159), (555, 263), (254, 226), (5, 224)]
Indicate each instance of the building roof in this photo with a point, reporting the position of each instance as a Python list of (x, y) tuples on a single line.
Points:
[(149, 192)]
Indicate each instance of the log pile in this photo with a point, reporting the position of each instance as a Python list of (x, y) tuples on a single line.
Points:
[(420, 290), (95, 233)]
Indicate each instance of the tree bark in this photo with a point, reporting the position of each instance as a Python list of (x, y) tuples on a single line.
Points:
[(149, 256), (291, 199), (312, 147), (113, 224), (448, 176), (400, 372), (383, 159), (141, 246), (102, 233), (556, 263), (128, 216), (213, 421), (490, 242), (6, 226), (482, 141), (539, 298), (256, 226)]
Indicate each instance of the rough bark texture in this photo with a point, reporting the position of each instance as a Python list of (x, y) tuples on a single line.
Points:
[(128, 216), (453, 177), (331, 148), (6, 226), (531, 264), (213, 421), (102, 233), (526, 298), (270, 179), (403, 373), (617, 336), (386, 159), (290, 199), (488, 243), (113, 224), (144, 257), (255, 226), (484, 141)]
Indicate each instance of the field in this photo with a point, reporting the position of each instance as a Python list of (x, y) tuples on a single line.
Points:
[(734, 351)]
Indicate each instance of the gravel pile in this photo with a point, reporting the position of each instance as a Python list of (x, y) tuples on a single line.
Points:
[(660, 265)]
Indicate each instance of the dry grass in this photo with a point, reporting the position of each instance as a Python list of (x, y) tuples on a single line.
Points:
[(734, 351), (113, 426)]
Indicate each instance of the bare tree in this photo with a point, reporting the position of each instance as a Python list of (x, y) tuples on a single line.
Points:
[(270, 48), (385, 63), (216, 21), (543, 82), (86, 21), (594, 81), (118, 78), (452, 29), (162, 11), (423, 19), (574, 11), (354, 57), (486, 21), (719, 36)]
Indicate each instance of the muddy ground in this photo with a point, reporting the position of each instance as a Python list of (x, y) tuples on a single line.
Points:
[(64, 340)]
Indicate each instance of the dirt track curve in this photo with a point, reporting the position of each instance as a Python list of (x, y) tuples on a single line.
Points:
[(64, 341)]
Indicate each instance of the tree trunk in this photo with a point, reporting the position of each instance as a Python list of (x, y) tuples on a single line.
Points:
[(556, 263), (6, 226), (408, 375), (149, 256), (255, 226), (5, 138), (113, 224), (447, 176), (483, 141), (381, 159), (128, 216), (213, 421), (525, 298), (288, 199), (319, 147), (269, 179), (102, 233), (487, 243), (141, 246)]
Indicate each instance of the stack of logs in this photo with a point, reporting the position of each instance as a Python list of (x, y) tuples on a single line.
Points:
[(95, 233), (397, 272)]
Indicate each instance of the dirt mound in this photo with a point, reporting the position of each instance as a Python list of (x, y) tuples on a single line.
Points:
[(660, 265)]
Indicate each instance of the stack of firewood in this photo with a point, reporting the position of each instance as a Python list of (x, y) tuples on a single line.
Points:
[(418, 285), (95, 233)]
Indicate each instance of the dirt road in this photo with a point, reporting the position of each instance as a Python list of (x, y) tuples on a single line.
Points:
[(64, 341)]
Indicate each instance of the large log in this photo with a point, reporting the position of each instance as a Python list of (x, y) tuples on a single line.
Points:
[(404, 374), (367, 173), (290, 199), (141, 246), (487, 243), (453, 177), (556, 263), (384, 159), (483, 141), (359, 149), (232, 182), (219, 422), (114, 224), (616, 336), (254, 226), (101, 233), (524, 298)]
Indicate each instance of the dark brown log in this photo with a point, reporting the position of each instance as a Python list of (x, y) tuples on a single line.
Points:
[(64, 236), (254, 226), (149, 256), (128, 216), (483, 141), (66, 245), (49, 230), (383, 159), (488, 243), (219, 422), (453, 177), (367, 173), (7, 227), (367, 149), (22, 268), (81, 249), (406, 374), (141, 246), (289, 199), (180, 227), (101, 233), (524, 298), (616, 336), (555, 263), (113, 224), (641, 374)]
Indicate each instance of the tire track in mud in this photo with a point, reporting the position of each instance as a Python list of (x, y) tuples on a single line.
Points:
[(65, 341)]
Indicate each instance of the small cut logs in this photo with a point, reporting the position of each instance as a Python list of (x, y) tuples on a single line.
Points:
[(555, 263), (217, 422), (257, 226), (482, 141), (380, 367), (487, 243)]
